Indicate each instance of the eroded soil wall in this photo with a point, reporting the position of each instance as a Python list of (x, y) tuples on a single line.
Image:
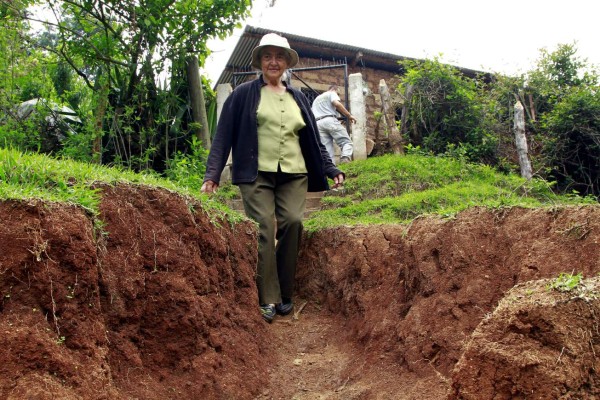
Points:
[(416, 293), (159, 303)]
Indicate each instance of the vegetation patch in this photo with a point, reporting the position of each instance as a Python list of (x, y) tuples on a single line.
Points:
[(395, 189), (26, 176), (565, 282)]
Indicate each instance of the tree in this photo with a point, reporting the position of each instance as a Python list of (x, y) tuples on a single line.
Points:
[(563, 95), (24, 75), (555, 73), (444, 110), (572, 145), (562, 105), (128, 52)]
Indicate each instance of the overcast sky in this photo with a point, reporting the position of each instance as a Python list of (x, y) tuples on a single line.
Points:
[(497, 36)]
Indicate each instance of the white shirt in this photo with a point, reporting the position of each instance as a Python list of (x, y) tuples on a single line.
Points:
[(323, 104)]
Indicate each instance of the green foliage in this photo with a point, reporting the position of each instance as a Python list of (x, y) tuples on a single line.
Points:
[(123, 71), (120, 65), (444, 110), (28, 73), (565, 282), (572, 141), (565, 94), (473, 118), (23, 134), (188, 170), (332, 202), (227, 191), (392, 176), (556, 73), (463, 118), (77, 146)]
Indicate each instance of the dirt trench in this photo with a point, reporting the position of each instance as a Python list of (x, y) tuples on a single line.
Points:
[(160, 303)]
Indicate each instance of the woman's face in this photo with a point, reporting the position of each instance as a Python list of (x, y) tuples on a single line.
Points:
[(273, 62)]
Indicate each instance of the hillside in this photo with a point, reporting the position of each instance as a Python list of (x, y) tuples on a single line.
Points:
[(160, 303)]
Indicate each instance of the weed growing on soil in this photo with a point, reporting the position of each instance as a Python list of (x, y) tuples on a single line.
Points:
[(565, 282)]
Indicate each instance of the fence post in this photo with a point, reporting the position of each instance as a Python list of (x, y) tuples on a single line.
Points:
[(521, 141), (223, 91), (357, 94), (394, 136)]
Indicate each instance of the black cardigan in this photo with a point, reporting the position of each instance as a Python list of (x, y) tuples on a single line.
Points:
[(237, 131)]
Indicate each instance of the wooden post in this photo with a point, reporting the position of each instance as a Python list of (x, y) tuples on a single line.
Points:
[(394, 137), (98, 132), (223, 91), (521, 141), (197, 101)]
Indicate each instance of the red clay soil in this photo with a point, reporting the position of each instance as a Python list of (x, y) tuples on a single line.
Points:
[(159, 302)]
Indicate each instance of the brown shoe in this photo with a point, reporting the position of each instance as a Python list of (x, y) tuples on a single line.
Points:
[(345, 160)]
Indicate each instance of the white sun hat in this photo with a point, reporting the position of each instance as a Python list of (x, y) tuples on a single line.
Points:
[(273, 39)]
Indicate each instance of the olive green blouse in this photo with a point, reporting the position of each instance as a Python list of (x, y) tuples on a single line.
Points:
[(279, 120)]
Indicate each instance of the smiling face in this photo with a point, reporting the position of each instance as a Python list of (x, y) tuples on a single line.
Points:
[(273, 62)]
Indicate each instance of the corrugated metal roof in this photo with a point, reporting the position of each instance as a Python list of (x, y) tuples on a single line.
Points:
[(239, 61)]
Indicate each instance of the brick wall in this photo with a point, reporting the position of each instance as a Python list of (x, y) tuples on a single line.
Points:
[(320, 80)]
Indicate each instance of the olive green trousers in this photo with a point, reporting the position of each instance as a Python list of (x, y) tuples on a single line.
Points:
[(276, 201)]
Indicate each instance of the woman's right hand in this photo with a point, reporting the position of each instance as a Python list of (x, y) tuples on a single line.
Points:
[(338, 180), (209, 187)]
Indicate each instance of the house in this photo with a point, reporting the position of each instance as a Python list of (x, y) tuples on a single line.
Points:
[(323, 63)]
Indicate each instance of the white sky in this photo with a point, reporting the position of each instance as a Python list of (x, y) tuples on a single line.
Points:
[(497, 36)]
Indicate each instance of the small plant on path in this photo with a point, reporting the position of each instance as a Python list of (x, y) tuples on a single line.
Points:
[(565, 282)]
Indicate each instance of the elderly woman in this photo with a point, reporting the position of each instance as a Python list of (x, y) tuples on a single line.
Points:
[(277, 157)]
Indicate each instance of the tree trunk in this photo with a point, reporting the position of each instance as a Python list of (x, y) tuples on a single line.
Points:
[(197, 101), (394, 137), (521, 141)]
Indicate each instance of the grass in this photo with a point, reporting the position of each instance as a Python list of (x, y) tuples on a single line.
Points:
[(397, 189), (33, 176), (380, 190), (565, 282)]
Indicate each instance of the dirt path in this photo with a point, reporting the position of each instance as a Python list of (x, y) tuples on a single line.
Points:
[(316, 361), (310, 365)]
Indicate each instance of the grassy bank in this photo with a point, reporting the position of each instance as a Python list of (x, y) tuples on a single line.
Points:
[(34, 176), (397, 189), (379, 190)]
